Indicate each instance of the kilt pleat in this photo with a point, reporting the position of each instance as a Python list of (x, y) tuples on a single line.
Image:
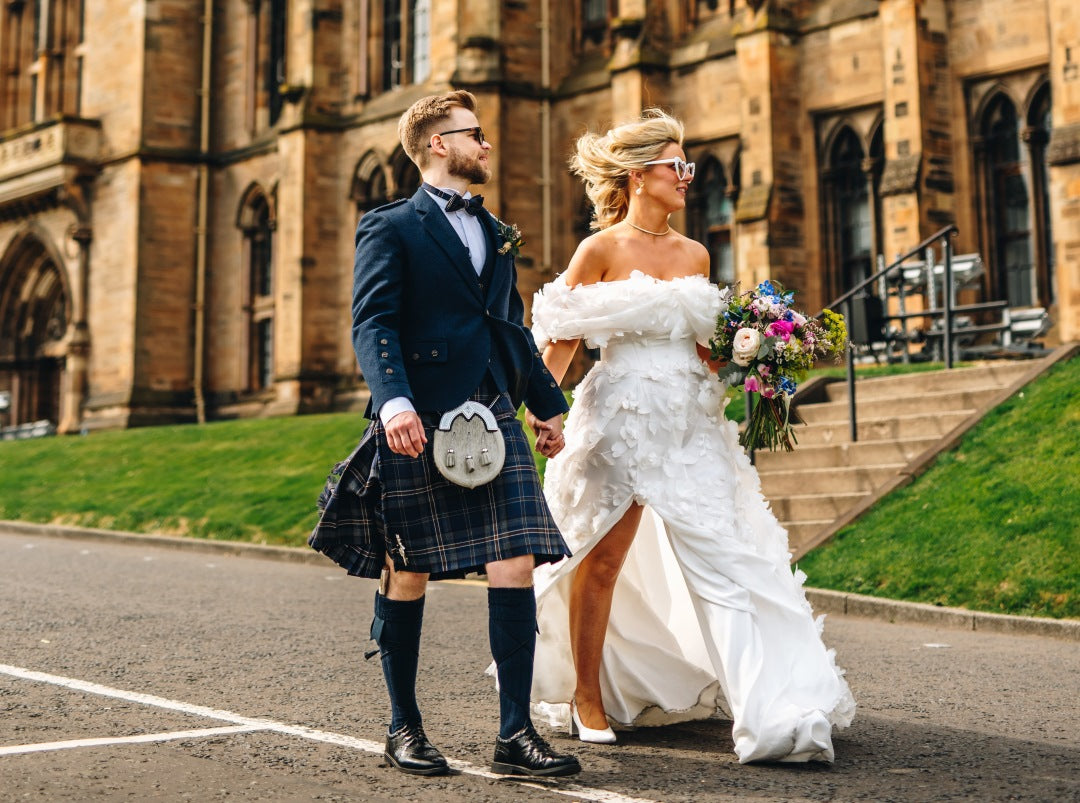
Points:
[(378, 503)]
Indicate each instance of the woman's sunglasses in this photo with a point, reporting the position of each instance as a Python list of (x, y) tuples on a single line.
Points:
[(683, 170)]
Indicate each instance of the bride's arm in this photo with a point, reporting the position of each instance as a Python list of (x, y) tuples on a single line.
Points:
[(587, 266)]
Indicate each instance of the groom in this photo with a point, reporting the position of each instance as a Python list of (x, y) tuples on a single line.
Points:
[(437, 320)]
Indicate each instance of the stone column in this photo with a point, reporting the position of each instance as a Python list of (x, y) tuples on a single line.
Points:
[(73, 392), (1064, 159), (769, 218), (917, 182)]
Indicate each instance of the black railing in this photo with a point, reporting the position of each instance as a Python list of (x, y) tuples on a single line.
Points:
[(845, 301)]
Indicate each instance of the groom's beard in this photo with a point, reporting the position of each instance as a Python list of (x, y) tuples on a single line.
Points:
[(470, 169)]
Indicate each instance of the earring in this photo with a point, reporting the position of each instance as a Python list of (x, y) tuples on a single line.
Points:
[(640, 187)]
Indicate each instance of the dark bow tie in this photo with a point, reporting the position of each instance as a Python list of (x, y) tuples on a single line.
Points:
[(454, 202)]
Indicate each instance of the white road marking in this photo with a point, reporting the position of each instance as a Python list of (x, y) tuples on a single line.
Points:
[(141, 738), (248, 724)]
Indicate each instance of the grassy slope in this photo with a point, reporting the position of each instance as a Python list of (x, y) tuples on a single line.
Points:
[(994, 525)]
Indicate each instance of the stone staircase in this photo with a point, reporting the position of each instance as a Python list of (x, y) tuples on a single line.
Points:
[(899, 418)]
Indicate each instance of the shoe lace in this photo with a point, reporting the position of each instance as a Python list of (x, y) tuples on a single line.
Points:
[(538, 741)]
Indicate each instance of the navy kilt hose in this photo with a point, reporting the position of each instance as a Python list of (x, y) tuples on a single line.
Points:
[(377, 502)]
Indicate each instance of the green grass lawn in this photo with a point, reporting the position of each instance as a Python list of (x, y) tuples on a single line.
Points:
[(253, 480), (993, 526)]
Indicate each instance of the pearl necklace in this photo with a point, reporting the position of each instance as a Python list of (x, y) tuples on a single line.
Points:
[(653, 233)]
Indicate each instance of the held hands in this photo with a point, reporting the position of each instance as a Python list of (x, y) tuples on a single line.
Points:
[(405, 434), (549, 434)]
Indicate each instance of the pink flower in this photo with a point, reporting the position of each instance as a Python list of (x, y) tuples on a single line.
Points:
[(752, 384), (767, 393), (763, 370), (780, 329)]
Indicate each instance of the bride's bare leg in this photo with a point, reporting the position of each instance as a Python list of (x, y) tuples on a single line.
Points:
[(590, 606)]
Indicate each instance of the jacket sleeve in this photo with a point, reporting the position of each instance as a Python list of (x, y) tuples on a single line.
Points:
[(543, 397), (376, 308)]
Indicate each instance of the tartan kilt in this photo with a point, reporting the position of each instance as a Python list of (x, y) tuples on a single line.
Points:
[(379, 503)]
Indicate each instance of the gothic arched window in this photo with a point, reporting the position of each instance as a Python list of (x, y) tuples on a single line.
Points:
[(368, 184), (35, 312), (851, 219), (1037, 135), (713, 213), (258, 225), (1009, 204), (407, 178)]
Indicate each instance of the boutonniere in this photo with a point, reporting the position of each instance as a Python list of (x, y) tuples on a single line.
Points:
[(511, 238)]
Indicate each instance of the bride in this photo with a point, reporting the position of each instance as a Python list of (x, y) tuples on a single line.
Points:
[(679, 598)]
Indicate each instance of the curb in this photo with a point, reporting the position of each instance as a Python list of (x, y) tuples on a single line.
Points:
[(898, 612), (822, 600)]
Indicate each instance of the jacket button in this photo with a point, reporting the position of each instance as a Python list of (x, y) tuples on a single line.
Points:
[(554, 385), (385, 354), (434, 352), (384, 341), (416, 356), (389, 370)]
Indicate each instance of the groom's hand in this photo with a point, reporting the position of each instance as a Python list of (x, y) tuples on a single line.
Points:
[(549, 434), (405, 434)]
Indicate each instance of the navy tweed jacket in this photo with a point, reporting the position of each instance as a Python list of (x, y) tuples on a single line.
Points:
[(425, 326)]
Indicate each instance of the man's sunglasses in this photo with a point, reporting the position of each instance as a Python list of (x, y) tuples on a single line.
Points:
[(683, 170), (475, 132)]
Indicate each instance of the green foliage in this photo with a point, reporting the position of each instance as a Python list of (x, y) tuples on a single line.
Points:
[(991, 526)]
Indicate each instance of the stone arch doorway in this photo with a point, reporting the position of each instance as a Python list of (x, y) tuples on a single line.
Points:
[(35, 314)]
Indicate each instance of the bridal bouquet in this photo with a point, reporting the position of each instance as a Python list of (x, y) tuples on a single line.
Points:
[(769, 347)]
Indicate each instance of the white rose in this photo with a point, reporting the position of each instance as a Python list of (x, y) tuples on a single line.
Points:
[(745, 346)]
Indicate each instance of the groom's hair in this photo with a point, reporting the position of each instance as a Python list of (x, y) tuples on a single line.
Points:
[(414, 127)]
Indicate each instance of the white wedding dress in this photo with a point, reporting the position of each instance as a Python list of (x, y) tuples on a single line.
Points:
[(706, 613)]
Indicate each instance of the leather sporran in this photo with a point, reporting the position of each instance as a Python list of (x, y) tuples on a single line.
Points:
[(468, 446)]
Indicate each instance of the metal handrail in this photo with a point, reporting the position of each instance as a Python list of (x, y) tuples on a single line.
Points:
[(945, 235)]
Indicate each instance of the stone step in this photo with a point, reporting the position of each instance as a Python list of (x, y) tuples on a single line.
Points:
[(902, 404), (861, 453), (817, 507), (799, 532), (826, 480), (990, 374), (905, 427)]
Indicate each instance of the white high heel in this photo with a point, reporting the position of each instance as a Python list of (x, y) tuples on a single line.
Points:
[(591, 735)]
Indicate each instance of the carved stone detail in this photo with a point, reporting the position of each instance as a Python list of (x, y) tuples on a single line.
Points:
[(1064, 145), (901, 175)]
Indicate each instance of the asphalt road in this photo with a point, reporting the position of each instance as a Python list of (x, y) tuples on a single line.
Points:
[(132, 672)]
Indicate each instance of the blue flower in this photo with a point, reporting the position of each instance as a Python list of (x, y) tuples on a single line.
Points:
[(787, 386)]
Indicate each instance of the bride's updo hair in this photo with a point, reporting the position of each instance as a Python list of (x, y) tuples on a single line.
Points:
[(604, 161)]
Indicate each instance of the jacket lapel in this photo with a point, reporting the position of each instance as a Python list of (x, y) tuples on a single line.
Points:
[(434, 221), (491, 264)]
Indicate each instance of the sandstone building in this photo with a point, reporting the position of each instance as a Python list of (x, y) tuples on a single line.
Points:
[(180, 179)]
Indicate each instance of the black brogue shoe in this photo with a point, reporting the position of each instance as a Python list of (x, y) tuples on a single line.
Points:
[(526, 753), (409, 750)]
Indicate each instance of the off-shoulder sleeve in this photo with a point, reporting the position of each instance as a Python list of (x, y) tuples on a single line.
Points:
[(600, 312), (703, 302), (593, 312)]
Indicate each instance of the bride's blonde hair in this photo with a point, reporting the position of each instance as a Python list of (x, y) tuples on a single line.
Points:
[(604, 161)]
